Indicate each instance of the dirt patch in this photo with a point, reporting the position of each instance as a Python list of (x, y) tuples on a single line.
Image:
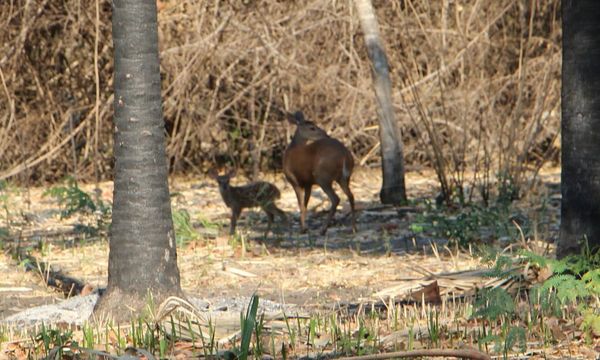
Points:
[(20, 290), (309, 270)]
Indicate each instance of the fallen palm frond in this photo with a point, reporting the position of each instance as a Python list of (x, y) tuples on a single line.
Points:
[(184, 321)]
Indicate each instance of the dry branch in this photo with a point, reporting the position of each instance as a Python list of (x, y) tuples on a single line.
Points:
[(224, 67)]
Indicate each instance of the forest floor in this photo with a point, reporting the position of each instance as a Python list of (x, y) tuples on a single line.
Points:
[(309, 270), (391, 248)]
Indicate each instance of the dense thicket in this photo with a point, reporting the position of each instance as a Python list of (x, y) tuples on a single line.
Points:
[(476, 83)]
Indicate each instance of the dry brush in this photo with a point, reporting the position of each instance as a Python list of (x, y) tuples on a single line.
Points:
[(476, 84)]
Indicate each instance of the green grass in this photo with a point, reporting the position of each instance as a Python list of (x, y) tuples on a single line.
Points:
[(186, 231), (494, 321)]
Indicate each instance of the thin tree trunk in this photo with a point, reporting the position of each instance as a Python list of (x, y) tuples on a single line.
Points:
[(580, 126), (143, 257), (393, 190)]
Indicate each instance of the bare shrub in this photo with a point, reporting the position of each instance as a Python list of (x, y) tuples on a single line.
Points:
[(491, 103), (476, 84)]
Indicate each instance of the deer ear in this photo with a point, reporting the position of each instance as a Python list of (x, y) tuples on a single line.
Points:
[(296, 118), (231, 173), (212, 173)]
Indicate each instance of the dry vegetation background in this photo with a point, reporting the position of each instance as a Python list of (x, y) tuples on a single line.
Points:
[(476, 83)]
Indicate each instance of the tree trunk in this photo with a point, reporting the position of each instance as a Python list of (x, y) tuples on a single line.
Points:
[(580, 126), (393, 190), (143, 257)]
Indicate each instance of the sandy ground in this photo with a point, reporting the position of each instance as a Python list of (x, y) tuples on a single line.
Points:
[(308, 270)]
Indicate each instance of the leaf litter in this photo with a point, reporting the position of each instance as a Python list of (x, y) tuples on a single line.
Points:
[(384, 261)]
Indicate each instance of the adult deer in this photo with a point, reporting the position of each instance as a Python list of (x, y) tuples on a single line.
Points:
[(313, 157)]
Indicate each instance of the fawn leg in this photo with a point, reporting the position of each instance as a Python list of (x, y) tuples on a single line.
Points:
[(235, 214), (344, 184), (270, 217), (335, 200), (284, 218), (282, 215), (272, 210)]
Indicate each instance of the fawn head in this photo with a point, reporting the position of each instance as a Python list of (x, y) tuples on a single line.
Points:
[(222, 180)]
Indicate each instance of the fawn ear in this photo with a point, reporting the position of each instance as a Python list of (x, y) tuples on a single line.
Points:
[(212, 173), (296, 118)]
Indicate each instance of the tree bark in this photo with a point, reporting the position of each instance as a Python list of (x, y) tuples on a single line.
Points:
[(580, 126), (393, 190), (143, 257)]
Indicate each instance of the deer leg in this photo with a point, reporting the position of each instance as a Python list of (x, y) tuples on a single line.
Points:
[(307, 191), (335, 200), (235, 214), (300, 195), (346, 188)]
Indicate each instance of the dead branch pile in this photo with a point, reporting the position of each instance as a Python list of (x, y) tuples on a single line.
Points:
[(478, 79)]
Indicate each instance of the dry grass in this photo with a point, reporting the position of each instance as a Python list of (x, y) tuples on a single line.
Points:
[(344, 270), (477, 79), (340, 267)]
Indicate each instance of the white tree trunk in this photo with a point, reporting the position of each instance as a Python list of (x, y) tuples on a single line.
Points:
[(393, 188)]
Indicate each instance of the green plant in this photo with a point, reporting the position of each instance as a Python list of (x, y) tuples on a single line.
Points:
[(208, 224), (387, 243), (184, 231), (162, 347), (591, 324), (502, 266), (312, 330), (494, 304), (361, 334), (89, 339), (567, 287), (53, 341), (4, 334), (592, 281), (290, 330), (573, 278), (4, 234), (345, 339), (258, 331), (468, 223), (71, 198), (574, 282), (506, 339), (433, 327), (411, 336), (508, 188), (247, 322)]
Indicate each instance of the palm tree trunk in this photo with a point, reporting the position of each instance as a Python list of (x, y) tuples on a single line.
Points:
[(143, 257), (393, 190), (580, 126)]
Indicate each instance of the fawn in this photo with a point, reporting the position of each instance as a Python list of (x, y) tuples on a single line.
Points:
[(237, 198), (321, 162)]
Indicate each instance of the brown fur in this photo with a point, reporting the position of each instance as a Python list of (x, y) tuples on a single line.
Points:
[(321, 162), (257, 194)]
